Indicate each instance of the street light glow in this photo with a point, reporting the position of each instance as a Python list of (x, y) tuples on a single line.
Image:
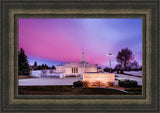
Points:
[(110, 54)]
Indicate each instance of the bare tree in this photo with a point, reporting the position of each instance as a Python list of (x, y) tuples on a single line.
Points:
[(124, 57), (134, 65)]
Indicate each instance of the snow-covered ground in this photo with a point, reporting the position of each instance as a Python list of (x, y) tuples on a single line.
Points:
[(47, 73), (137, 73), (123, 77), (36, 73), (39, 73)]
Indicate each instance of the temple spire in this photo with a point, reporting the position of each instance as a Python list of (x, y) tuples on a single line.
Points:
[(82, 56)]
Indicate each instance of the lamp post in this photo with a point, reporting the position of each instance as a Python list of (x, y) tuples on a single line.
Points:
[(84, 67), (110, 54)]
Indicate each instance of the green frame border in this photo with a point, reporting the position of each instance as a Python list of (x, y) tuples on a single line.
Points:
[(8, 54)]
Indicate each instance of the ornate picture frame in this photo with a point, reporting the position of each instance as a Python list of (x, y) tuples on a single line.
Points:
[(12, 10)]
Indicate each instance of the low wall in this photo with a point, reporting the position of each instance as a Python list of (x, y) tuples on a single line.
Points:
[(105, 79)]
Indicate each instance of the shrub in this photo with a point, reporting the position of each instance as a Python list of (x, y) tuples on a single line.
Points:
[(116, 76), (134, 90), (70, 76), (120, 83), (85, 83), (78, 84), (110, 84), (78, 75), (127, 83), (121, 72), (98, 83)]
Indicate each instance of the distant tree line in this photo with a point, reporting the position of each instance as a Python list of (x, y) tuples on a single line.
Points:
[(41, 67), (24, 67)]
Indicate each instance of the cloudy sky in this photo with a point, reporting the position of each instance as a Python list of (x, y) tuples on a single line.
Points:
[(59, 41)]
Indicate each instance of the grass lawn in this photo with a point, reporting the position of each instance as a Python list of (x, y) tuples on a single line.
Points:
[(136, 89), (24, 76), (67, 90)]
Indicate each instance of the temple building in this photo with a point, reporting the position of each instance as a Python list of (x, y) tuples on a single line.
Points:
[(77, 68)]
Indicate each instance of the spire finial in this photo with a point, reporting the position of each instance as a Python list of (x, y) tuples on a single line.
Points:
[(82, 55)]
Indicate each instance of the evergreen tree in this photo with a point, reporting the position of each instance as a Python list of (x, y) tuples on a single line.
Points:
[(53, 67), (35, 63), (43, 67), (23, 66), (39, 67)]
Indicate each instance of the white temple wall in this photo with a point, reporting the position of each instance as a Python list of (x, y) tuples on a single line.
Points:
[(68, 70), (91, 69), (60, 69), (80, 69), (75, 68)]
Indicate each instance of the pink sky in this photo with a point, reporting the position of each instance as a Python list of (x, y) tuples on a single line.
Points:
[(55, 41)]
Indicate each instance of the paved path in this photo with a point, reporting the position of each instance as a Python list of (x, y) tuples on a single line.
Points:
[(67, 81), (47, 81)]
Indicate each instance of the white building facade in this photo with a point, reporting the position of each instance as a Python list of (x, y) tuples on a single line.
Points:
[(76, 68)]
